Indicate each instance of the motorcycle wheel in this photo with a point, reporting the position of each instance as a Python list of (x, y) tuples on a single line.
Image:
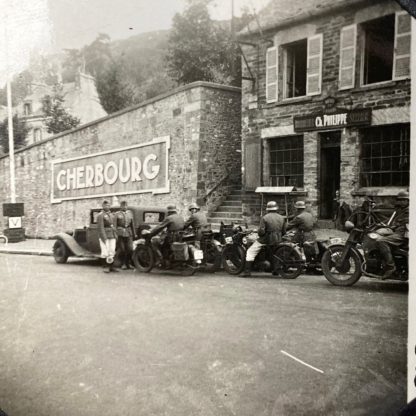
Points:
[(291, 262), (212, 257), (143, 258), (348, 274), (233, 259), (60, 252)]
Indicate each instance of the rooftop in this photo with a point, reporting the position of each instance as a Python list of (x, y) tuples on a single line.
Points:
[(279, 13)]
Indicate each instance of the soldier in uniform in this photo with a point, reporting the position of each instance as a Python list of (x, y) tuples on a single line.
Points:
[(198, 221), (272, 226), (107, 236), (303, 223), (126, 234), (399, 225), (173, 223)]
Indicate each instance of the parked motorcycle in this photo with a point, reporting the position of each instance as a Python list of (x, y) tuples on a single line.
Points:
[(313, 251), (344, 264), (183, 255), (285, 257)]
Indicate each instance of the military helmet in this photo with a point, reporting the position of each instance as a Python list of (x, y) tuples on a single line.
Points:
[(300, 205), (402, 195), (193, 206), (271, 206), (171, 208)]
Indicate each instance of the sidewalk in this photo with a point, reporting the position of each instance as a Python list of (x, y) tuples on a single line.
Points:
[(35, 247), (39, 247)]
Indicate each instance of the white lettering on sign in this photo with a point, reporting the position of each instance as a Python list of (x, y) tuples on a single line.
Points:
[(127, 169), (331, 120), (140, 168)]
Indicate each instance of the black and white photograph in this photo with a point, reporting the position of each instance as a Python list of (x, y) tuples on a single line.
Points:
[(206, 208)]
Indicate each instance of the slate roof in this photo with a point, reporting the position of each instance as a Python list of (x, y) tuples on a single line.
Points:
[(284, 12)]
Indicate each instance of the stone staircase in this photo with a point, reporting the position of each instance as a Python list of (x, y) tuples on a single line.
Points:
[(231, 210)]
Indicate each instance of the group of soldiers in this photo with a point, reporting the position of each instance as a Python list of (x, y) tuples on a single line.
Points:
[(117, 231)]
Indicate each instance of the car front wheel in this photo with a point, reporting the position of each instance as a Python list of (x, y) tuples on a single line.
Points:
[(60, 252)]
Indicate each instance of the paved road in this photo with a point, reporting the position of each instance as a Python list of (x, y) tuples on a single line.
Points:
[(76, 341)]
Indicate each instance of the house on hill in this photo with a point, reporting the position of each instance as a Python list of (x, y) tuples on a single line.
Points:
[(81, 100), (326, 100)]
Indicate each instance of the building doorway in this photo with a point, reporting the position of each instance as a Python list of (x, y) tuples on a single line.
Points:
[(329, 172)]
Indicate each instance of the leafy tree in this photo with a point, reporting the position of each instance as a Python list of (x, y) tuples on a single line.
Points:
[(192, 49), (58, 119), (20, 131), (114, 93), (204, 50)]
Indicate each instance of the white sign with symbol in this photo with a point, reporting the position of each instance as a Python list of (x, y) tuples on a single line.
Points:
[(15, 222)]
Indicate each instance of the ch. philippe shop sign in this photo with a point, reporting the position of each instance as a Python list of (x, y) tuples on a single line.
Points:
[(332, 120), (135, 169)]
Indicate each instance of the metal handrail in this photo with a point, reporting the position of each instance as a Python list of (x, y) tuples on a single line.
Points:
[(216, 186)]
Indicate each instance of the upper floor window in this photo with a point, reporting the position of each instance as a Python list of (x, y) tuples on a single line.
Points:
[(27, 109), (37, 135), (301, 72), (378, 50), (385, 50), (295, 69)]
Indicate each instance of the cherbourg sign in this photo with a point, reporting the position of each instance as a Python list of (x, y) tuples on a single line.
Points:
[(141, 168), (332, 120)]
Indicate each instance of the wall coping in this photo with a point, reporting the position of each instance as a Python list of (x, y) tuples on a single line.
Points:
[(197, 84)]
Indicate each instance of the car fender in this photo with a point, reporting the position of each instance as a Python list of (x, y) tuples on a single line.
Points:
[(74, 248)]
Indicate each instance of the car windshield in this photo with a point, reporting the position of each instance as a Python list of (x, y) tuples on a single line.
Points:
[(153, 217)]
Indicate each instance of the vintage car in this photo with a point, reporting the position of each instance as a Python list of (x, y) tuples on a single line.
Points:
[(83, 242)]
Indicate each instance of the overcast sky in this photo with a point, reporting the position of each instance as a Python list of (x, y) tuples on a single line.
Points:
[(77, 22), (51, 25)]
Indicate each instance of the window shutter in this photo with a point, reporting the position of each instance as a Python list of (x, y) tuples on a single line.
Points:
[(347, 53), (314, 68), (271, 75), (401, 65)]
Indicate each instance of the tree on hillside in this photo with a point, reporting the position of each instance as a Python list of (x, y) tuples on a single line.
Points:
[(192, 50), (57, 117), (114, 93), (20, 131), (204, 50)]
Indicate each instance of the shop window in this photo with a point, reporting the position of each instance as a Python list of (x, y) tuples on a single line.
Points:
[(378, 51), (385, 156), (286, 161), (295, 69)]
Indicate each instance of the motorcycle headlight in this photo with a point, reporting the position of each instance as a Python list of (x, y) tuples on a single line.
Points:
[(348, 225), (244, 240), (373, 236)]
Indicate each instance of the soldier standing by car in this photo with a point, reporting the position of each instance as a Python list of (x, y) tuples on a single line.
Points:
[(198, 221), (107, 236), (126, 234), (272, 226)]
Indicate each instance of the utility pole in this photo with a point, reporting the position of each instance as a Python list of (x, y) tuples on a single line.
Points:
[(10, 115)]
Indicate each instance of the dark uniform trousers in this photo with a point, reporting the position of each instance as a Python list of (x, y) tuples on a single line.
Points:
[(125, 232)]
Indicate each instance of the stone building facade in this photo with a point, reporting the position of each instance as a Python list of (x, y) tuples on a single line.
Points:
[(200, 124), (326, 100)]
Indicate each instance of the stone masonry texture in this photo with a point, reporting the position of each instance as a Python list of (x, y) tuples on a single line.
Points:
[(203, 122)]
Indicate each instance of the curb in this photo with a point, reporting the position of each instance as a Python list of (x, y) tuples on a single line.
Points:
[(27, 252)]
